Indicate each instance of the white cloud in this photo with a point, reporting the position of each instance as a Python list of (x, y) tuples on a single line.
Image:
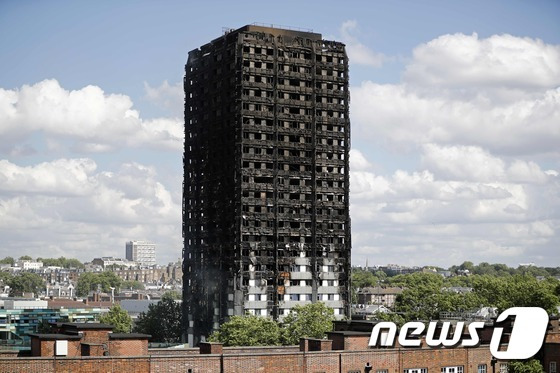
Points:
[(63, 177), (170, 97), (401, 117), (358, 162), (72, 208), (464, 61), (358, 53), (499, 93), (463, 163), (93, 120), (453, 211)]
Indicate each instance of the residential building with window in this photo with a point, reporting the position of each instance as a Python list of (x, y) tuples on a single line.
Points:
[(266, 157)]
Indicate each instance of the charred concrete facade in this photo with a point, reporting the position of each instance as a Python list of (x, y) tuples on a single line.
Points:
[(266, 220)]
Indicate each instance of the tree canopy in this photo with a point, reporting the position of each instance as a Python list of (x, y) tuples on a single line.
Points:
[(312, 320), (89, 281), (162, 321), (363, 278), (61, 262), (8, 260), (426, 295), (529, 366), (134, 285), (25, 282), (5, 277), (248, 330), (119, 318)]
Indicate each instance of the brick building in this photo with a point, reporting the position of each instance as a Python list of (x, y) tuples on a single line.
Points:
[(346, 350), (87, 339)]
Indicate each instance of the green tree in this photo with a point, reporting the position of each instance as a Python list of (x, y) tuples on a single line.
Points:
[(382, 276), (363, 278), (517, 291), (390, 316), (134, 285), (529, 366), (119, 318), (8, 260), (5, 277), (61, 262), (417, 279), (172, 294), (312, 320), (85, 282), (25, 282), (107, 280), (248, 330), (89, 281), (424, 297), (25, 257), (162, 321)]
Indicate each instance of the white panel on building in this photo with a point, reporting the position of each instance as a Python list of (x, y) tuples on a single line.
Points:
[(61, 348)]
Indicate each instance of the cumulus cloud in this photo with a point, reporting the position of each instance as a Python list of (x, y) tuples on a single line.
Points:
[(499, 93), (448, 212), (68, 206), (63, 177), (358, 53), (403, 118), (464, 61), (93, 120), (167, 96), (478, 113), (358, 161)]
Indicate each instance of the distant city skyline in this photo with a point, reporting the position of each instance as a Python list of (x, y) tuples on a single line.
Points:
[(454, 108)]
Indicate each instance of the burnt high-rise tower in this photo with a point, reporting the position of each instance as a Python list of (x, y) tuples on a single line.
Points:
[(266, 223)]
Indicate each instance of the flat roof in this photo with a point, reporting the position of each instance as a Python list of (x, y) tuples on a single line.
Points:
[(129, 336), (278, 30), (55, 336), (350, 332), (86, 325)]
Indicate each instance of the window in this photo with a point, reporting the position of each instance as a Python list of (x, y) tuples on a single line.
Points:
[(382, 371), (416, 370), (458, 369), (552, 367), (503, 368), (481, 368)]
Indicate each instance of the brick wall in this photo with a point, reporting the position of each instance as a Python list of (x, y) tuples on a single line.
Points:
[(394, 360), (315, 362), (478, 356), (197, 364), (353, 343), (379, 359), (551, 353), (95, 336), (92, 350), (128, 347), (75, 365), (46, 348), (433, 358), (173, 351), (278, 363)]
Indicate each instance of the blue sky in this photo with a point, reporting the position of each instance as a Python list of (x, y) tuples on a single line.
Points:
[(455, 115)]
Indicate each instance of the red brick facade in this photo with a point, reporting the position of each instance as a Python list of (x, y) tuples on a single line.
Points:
[(394, 360), (345, 351)]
